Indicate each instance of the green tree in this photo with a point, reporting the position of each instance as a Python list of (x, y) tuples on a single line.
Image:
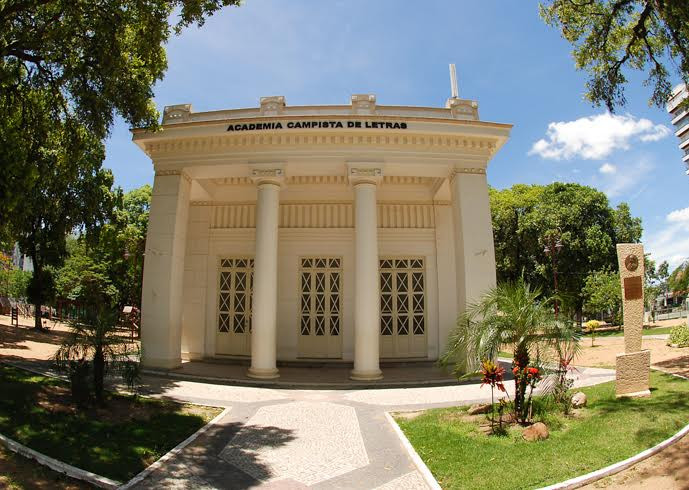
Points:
[(603, 294), (122, 242), (580, 217), (66, 69), (83, 279), (679, 279), (70, 190), (612, 37)]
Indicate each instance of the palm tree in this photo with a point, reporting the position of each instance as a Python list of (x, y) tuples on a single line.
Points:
[(510, 314)]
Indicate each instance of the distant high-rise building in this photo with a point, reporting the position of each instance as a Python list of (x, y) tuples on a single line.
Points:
[(680, 119)]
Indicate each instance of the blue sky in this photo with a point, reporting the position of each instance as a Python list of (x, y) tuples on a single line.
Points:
[(518, 69)]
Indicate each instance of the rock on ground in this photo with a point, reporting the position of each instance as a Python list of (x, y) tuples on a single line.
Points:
[(579, 400), (536, 432)]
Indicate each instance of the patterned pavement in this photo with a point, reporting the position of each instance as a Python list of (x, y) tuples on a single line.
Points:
[(296, 439)]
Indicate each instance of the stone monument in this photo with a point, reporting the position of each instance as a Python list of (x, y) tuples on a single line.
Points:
[(633, 367)]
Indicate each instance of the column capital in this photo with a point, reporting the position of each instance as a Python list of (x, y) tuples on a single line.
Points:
[(267, 174), (165, 173), (364, 173), (466, 171)]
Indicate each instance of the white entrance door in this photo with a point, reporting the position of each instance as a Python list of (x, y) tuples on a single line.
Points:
[(320, 311), (402, 308), (234, 306)]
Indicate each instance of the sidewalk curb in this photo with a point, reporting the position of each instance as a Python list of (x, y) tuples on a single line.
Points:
[(173, 452), (615, 468), (59, 466), (416, 459)]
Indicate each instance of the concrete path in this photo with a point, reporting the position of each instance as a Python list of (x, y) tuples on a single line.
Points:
[(293, 439)]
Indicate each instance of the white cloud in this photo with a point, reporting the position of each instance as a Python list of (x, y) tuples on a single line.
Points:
[(678, 216), (607, 168), (671, 243), (625, 181), (595, 137)]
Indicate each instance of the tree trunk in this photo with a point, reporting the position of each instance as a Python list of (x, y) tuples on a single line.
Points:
[(98, 374), (521, 361), (38, 272)]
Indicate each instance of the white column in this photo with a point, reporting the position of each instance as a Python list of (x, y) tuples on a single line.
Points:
[(161, 302), (366, 280), (473, 235), (264, 306)]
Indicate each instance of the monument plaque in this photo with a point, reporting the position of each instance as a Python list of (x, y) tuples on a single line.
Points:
[(633, 288), (633, 367)]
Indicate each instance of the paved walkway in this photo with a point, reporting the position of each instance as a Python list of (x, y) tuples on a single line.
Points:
[(293, 439)]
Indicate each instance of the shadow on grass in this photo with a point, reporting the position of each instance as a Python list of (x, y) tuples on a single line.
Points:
[(125, 437)]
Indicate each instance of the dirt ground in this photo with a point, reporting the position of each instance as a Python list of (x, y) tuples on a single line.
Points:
[(605, 350), (25, 343)]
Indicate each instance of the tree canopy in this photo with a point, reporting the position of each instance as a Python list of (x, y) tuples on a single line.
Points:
[(526, 217), (612, 37), (72, 65)]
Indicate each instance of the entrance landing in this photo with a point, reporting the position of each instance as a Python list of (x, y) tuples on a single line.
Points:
[(314, 376)]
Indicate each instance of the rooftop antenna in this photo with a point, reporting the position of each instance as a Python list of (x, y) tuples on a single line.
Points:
[(453, 81)]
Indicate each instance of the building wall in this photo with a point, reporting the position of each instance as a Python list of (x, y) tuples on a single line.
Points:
[(223, 230)]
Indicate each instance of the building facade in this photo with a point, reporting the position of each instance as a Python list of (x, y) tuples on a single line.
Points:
[(680, 120), (349, 233)]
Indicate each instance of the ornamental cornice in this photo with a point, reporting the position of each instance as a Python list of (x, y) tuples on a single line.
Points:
[(165, 173), (245, 142)]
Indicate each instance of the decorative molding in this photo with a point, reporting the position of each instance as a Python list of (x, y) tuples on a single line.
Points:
[(364, 173), (473, 171), (273, 105), (324, 215), (462, 109), (224, 143), (363, 104), (165, 173), (330, 180), (177, 113), (267, 174)]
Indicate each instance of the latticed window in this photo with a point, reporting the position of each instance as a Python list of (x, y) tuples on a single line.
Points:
[(320, 281), (235, 294), (402, 296)]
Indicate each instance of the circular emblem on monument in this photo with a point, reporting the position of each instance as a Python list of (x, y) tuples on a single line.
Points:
[(631, 262)]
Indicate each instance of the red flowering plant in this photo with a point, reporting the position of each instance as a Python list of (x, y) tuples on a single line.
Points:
[(493, 375), (525, 378)]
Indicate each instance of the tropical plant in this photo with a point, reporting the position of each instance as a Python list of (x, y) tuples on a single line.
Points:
[(493, 376), (513, 315), (566, 348), (96, 342)]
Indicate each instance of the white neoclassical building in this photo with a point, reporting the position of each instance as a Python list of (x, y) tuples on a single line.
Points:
[(350, 233)]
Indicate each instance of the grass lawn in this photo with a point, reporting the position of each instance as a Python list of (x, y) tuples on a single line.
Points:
[(116, 441), (607, 431), (20, 473)]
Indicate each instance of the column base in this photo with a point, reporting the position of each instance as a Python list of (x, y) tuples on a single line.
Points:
[(151, 363), (373, 375), (261, 373)]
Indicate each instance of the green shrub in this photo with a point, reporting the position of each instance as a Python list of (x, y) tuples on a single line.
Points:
[(679, 335)]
